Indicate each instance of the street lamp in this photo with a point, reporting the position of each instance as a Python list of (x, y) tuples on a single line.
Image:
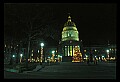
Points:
[(21, 55), (42, 44), (53, 52), (107, 51), (13, 56)]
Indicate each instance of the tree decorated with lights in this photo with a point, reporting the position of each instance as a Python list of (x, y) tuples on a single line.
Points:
[(77, 57)]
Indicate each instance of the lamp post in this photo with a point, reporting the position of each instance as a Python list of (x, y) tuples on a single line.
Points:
[(13, 58), (21, 57), (53, 54), (108, 54), (41, 58)]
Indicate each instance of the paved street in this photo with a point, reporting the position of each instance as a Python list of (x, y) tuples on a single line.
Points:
[(69, 71)]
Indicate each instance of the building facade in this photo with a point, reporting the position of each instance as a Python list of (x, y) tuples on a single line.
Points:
[(100, 52), (70, 46)]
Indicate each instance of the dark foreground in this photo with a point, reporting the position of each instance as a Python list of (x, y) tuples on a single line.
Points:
[(69, 71)]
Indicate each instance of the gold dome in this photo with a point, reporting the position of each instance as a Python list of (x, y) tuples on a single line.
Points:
[(69, 23)]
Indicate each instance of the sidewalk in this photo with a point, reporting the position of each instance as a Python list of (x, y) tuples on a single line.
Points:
[(18, 68)]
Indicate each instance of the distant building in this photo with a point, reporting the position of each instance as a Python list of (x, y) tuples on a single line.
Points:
[(101, 52), (12, 50)]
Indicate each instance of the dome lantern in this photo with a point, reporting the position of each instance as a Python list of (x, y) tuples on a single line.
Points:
[(69, 22)]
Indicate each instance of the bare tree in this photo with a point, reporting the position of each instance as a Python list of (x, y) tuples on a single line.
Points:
[(37, 23)]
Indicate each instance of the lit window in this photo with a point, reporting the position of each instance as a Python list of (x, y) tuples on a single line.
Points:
[(5, 45), (68, 34), (76, 46), (32, 54), (38, 51), (102, 56), (84, 50)]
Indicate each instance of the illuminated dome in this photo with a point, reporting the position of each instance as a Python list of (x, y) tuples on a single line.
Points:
[(70, 31), (69, 23)]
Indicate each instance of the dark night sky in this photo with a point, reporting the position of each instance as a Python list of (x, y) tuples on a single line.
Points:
[(96, 22)]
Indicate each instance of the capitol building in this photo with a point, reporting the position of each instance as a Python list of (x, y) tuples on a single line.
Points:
[(70, 46), (72, 49)]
